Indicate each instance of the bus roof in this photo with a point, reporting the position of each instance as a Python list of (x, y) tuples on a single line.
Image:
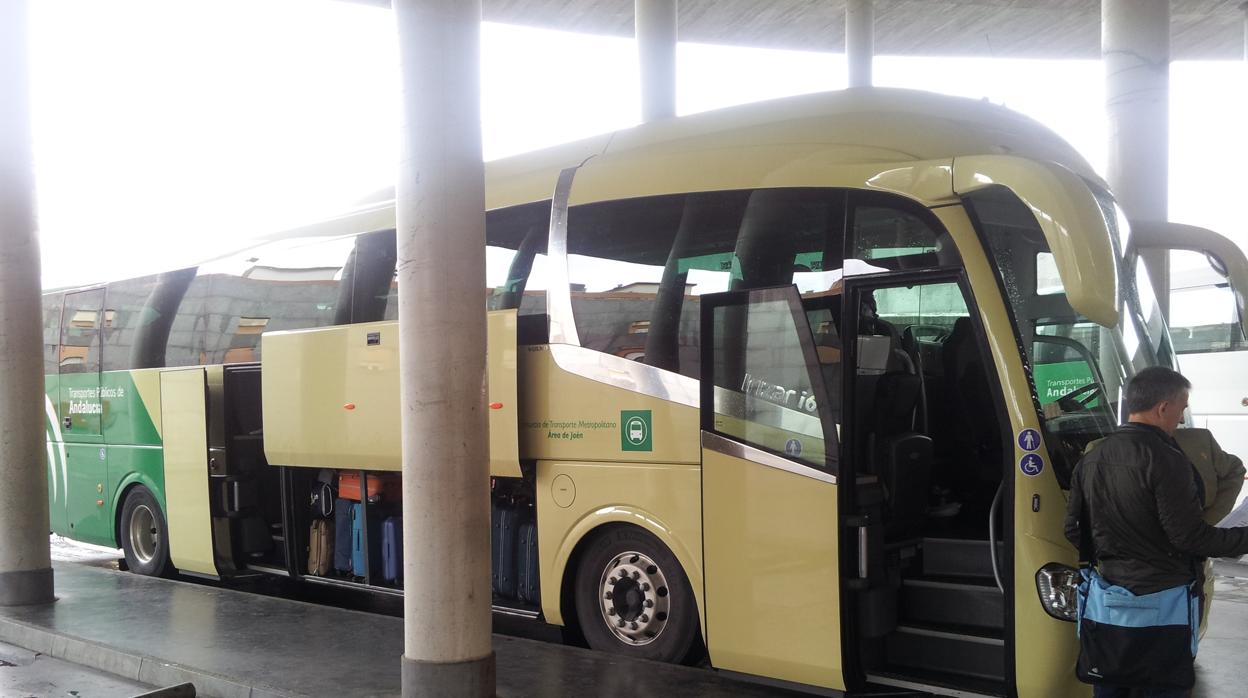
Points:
[(871, 125)]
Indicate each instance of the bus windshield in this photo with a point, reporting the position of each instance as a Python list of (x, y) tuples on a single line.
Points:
[(1079, 368)]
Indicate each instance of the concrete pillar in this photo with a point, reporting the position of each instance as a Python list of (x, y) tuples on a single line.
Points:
[(1244, 7), (1135, 48), (656, 53), (25, 561), (859, 40), (440, 208)]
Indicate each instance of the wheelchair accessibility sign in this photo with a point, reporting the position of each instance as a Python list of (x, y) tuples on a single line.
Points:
[(1031, 464)]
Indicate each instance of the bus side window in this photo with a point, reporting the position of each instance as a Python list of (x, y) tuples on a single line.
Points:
[(290, 285), (889, 232), (1203, 316), (637, 267), (515, 261), (80, 332), (51, 331)]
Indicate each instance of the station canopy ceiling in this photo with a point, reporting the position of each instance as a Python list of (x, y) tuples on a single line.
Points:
[(1200, 29)]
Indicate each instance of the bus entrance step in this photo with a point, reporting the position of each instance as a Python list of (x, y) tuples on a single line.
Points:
[(952, 652), (947, 602), (954, 557)]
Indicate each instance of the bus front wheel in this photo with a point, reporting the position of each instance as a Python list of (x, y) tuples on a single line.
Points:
[(144, 534), (633, 598)]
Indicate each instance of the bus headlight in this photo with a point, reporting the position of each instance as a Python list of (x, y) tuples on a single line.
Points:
[(1058, 586)]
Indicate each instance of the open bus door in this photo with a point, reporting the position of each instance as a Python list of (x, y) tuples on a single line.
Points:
[(770, 517)]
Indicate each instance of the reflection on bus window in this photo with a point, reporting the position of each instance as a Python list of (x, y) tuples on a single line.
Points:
[(890, 233), (1203, 314), (80, 332), (763, 394), (51, 331), (1048, 281)]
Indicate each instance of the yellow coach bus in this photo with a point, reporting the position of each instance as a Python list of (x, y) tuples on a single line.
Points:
[(796, 386)]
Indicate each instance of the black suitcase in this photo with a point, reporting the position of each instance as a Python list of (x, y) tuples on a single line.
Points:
[(342, 535), (527, 587), (503, 538)]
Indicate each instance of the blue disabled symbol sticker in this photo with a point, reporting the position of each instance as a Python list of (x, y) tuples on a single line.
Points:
[(1031, 465), (793, 447), (1029, 439)]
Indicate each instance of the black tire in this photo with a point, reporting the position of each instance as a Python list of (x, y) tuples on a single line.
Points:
[(628, 575), (144, 534)]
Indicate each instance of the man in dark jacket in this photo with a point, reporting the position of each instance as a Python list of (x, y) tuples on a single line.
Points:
[(1142, 497)]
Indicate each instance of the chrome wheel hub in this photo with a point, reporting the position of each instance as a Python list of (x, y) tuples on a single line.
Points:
[(143, 534), (634, 598)]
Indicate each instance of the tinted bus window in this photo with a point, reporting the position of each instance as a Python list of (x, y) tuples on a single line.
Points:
[(638, 267), (125, 302), (888, 232), (51, 331), (289, 285), (515, 261), (80, 332)]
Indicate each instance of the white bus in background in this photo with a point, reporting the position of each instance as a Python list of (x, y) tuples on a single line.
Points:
[(1208, 283)]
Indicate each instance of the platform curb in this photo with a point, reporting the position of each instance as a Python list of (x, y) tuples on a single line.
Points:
[(135, 667)]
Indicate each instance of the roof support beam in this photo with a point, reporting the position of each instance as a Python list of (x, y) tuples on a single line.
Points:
[(25, 560), (1135, 48), (440, 213), (859, 40), (656, 53)]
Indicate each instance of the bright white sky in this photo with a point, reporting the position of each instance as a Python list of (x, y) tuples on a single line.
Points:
[(166, 131)]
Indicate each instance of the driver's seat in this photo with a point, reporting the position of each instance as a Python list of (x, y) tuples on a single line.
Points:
[(973, 413)]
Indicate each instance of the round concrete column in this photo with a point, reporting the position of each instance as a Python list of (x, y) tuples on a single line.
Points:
[(440, 208), (859, 40), (1135, 48), (1244, 7), (25, 562), (656, 53)]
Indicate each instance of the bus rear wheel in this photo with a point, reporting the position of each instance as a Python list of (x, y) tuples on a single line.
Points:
[(144, 534), (633, 598)]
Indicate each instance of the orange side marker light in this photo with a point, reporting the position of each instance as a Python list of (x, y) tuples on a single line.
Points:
[(496, 405), (349, 406)]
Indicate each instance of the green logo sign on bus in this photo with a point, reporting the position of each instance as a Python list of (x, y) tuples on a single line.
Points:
[(635, 433)]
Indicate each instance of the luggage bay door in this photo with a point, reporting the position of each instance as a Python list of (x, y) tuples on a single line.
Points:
[(770, 517)]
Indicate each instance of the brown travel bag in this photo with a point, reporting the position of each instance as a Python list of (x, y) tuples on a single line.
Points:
[(321, 548)]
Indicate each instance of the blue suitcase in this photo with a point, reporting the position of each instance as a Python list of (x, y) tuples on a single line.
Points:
[(527, 586), (342, 535), (365, 544), (503, 539), (392, 549)]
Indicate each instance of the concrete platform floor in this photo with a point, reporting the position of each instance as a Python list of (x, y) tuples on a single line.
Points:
[(232, 643), (26, 674)]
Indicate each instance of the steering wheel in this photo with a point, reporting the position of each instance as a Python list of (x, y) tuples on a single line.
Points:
[(1071, 402)]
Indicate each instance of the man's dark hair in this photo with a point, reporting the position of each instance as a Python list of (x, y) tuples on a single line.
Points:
[(1153, 385)]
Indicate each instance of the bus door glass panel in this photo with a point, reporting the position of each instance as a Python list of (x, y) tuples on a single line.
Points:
[(770, 518), (81, 412), (53, 303)]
